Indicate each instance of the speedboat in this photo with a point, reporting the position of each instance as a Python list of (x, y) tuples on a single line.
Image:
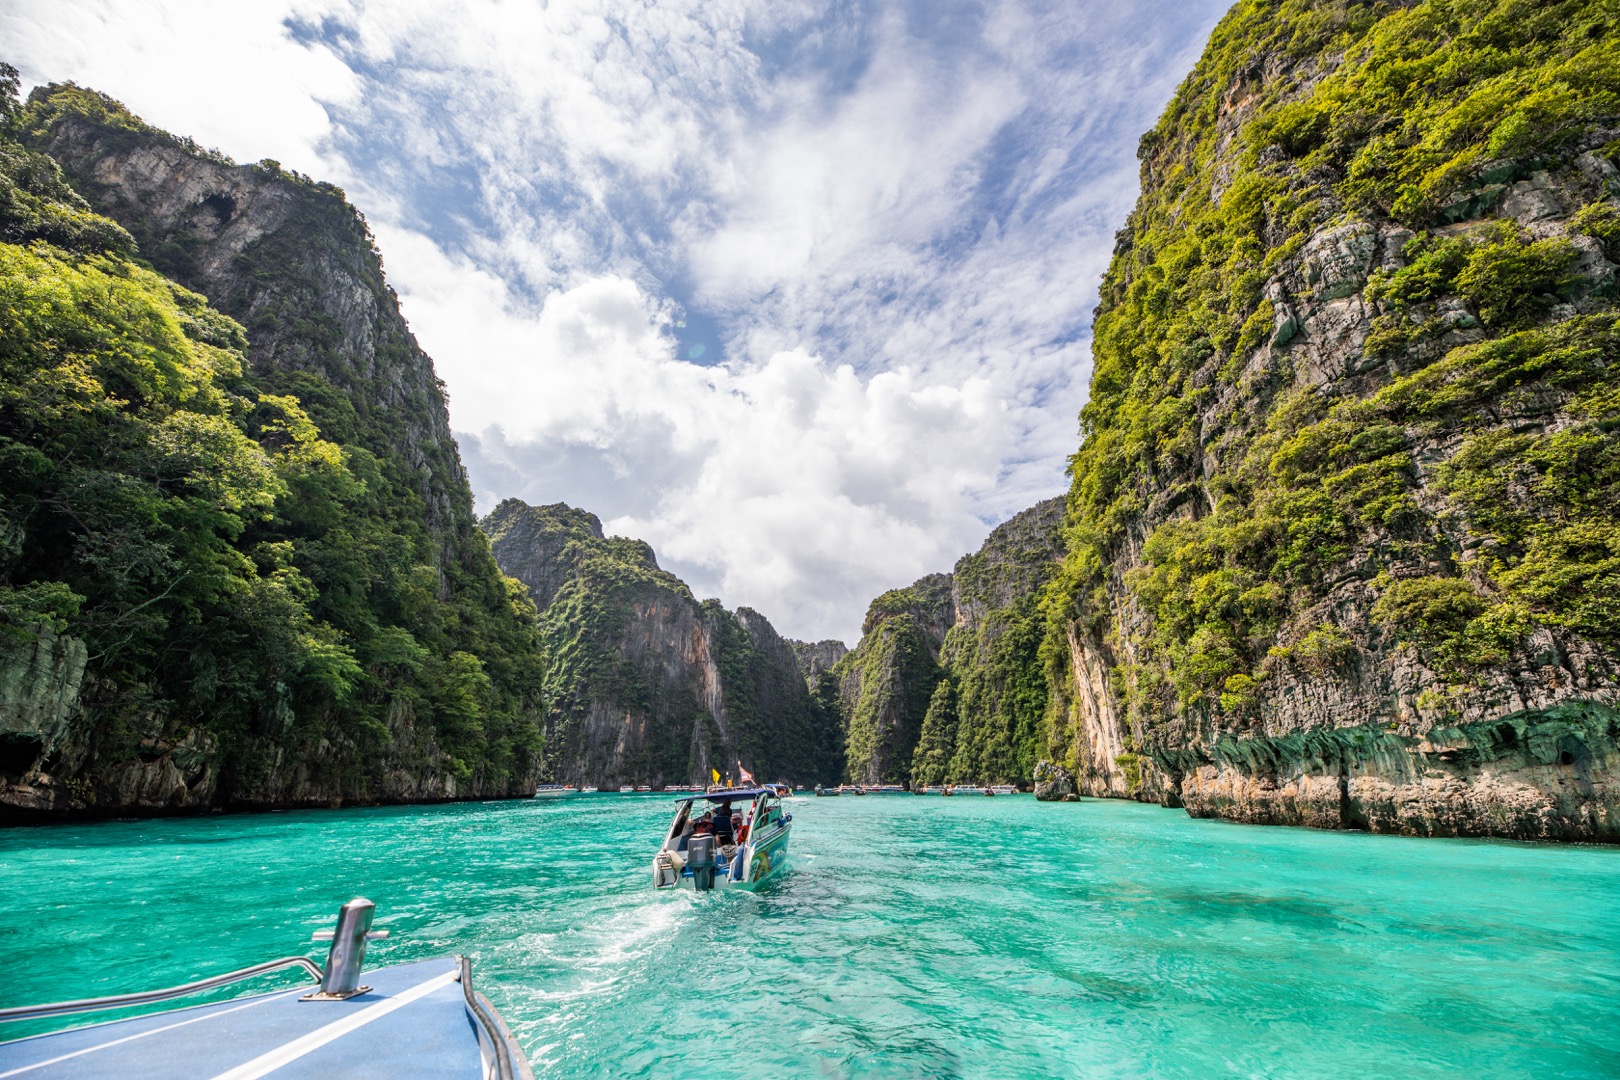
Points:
[(692, 856), (554, 791), (411, 1022), (1002, 789), (626, 789), (827, 792)]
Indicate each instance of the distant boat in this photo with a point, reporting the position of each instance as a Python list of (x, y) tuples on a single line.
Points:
[(555, 791), (587, 791), (1002, 789), (643, 787), (827, 792), (931, 789), (885, 789), (626, 789)]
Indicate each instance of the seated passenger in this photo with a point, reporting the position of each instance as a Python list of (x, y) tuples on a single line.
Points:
[(705, 826), (723, 831), (738, 827)]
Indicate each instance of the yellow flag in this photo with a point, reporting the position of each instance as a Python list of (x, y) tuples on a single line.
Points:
[(716, 773)]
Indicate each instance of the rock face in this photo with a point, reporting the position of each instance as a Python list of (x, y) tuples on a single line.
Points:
[(885, 683), (357, 643), (294, 263), (945, 685), (1345, 511), (647, 684), (1053, 783), (816, 657), (41, 674)]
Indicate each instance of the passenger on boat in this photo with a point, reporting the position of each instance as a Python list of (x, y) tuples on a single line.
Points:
[(737, 827), (723, 829)]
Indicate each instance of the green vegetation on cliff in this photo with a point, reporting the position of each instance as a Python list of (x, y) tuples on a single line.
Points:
[(947, 684), (1444, 173), (645, 683), (257, 596)]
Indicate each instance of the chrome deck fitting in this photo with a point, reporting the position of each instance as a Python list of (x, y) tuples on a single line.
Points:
[(342, 978)]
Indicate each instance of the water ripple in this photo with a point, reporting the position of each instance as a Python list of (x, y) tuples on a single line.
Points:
[(910, 938)]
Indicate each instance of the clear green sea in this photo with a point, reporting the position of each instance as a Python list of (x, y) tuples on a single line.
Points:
[(912, 937)]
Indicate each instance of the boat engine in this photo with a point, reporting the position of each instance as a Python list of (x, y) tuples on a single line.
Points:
[(700, 860)]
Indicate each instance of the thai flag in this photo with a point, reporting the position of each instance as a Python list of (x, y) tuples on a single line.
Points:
[(747, 776)]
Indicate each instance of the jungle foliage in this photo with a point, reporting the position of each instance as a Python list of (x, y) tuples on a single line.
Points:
[(239, 564), (1417, 115)]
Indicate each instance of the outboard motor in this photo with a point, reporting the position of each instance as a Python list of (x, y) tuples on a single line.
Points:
[(700, 860)]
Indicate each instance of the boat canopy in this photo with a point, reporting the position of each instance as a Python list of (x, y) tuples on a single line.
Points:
[(729, 794)]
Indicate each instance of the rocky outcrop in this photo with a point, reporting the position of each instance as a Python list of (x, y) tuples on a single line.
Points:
[(41, 673), (816, 657), (1541, 775), (294, 263), (647, 684), (355, 641), (885, 683), (945, 685), (1053, 783), (1338, 585)]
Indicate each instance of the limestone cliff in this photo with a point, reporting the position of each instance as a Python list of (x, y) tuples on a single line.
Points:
[(293, 262), (240, 567), (946, 683), (816, 657), (1343, 524), (646, 684), (885, 682), (984, 721)]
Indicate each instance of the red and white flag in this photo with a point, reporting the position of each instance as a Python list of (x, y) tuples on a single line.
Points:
[(748, 777)]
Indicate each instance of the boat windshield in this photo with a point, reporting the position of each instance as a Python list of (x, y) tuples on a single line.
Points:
[(703, 814)]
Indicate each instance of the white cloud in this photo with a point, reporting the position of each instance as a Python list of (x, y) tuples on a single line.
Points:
[(891, 216), (787, 485), (228, 76)]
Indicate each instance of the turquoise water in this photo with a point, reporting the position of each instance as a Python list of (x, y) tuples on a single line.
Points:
[(913, 937)]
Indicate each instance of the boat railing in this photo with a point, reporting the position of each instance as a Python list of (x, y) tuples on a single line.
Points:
[(119, 1001), (494, 1041), (339, 979)]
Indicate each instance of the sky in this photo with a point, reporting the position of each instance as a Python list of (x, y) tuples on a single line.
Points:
[(799, 293)]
